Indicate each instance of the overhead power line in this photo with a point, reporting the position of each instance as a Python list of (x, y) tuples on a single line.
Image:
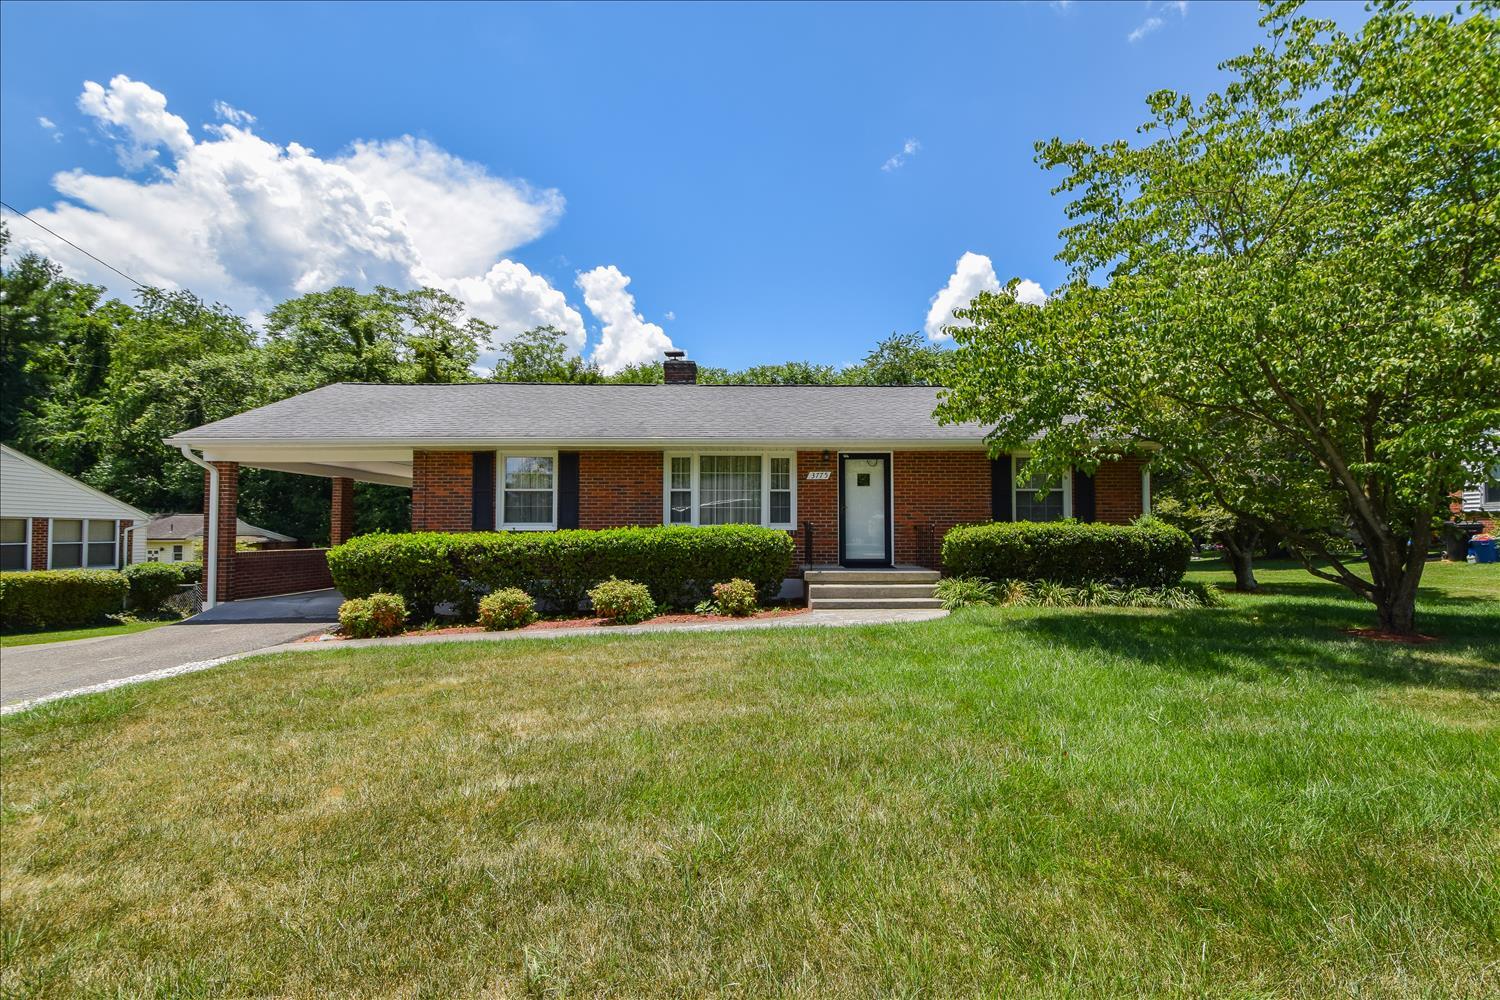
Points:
[(75, 246)]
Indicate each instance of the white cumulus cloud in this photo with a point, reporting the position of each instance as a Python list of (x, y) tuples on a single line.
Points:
[(626, 336), (974, 273), (1152, 22), (232, 114), (248, 222), (51, 127)]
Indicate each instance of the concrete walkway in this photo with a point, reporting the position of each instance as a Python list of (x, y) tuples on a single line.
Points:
[(52, 669), (42, 692)]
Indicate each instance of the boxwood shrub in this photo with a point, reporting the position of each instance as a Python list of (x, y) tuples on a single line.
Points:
[(151, 583), (1146, 554), (679, 565), (60, 598)]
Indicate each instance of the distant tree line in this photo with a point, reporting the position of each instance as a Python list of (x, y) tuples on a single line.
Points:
[(91, 385)]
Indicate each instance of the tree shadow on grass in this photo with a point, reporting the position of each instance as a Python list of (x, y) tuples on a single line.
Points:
[(1279, 633)]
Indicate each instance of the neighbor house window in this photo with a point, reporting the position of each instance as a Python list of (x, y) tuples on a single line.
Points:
[(83, 543), (12, 543), (177, 553), (528, 491), (1039, 499), (1489, 493), (730, 489)]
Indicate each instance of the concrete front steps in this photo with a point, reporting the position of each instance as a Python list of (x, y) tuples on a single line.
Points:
[(902, 587)]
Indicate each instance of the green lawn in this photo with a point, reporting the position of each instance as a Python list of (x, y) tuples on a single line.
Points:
[(64, 634), (1009, 802)]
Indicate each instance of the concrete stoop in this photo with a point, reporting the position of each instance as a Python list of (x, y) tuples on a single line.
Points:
[(900, 587)]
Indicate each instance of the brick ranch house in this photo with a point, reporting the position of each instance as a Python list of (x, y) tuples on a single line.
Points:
[(860, 476)]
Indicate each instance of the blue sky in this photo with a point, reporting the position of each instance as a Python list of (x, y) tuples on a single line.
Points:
[(718, 176)]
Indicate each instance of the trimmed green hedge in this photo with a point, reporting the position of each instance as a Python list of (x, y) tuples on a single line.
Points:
[(60, 598), (1147, 554), (679, 565), (151, 583)]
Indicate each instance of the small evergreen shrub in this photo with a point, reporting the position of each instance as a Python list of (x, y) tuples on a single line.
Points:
[(507, 608), (1070, 553), (623, 602), (735, 597), (60, 598), (151, 584), (964, 592), (376, 615)]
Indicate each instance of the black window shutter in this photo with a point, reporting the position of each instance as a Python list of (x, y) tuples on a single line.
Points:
[(1000, 508), (1083, 495), (484, 491), (567, 489)]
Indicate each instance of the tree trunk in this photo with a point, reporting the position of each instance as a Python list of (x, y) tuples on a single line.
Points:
[(1396, 569), (1239, 547)]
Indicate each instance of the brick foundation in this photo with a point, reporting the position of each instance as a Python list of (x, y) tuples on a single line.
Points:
[(442, 491), (617, 489), (278, 571)]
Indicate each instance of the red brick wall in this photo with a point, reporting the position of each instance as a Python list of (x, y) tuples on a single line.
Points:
[(934, 490), (818, 505), (341, 513), (279, 571), (442, 485), (617, 489), (39, 540), (1117, 491)]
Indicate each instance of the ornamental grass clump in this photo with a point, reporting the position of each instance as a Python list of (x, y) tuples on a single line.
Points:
[(372, 617), (510, 607), (957, 592), (736, 598), (623, 602)]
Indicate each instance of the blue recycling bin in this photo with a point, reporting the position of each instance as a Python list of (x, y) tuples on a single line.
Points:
[(1485, 551)]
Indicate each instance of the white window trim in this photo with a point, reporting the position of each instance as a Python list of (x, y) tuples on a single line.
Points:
[(52, 540), (765, 484), (1015, 489), (26, 540), (500, 523)]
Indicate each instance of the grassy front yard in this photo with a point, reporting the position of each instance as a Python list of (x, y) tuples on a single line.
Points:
[(1008, 802), (88, 632)]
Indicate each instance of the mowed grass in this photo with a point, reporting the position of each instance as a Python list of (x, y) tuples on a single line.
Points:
[(1009, 802), (90, 632)]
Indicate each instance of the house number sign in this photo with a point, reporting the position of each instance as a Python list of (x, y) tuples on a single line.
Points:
[(816, 476)]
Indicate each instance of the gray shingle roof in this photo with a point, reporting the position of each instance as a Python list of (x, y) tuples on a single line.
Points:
[(191, 526), (591, 413)]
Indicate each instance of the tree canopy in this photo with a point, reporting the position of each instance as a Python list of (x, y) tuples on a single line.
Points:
[(1290, 285)]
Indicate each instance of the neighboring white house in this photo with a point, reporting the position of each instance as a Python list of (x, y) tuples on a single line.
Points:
[(179, 537), (52, 521)]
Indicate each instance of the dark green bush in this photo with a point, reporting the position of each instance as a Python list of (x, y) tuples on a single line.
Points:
[(678, 564), (1147, 554), (376, 615), (623, 602), (151, 584), (506, 608), (190, 572), (60, 598)]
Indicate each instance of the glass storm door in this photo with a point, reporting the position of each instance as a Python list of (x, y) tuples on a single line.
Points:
[(865, 521)]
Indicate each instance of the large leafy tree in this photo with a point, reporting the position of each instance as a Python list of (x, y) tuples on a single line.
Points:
[(1307, 261)]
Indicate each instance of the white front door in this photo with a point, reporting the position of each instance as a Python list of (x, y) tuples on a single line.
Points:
[(863, 524)]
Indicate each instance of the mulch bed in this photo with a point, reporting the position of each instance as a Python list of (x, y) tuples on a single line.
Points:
[(553, 623), (1385, 635)]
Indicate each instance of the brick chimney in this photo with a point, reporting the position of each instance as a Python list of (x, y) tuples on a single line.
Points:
[(678, 370)]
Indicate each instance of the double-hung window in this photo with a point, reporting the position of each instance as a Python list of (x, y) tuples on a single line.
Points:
[(528, 491), (83, 543), (1038, 499), (12, 543), (730, 488)]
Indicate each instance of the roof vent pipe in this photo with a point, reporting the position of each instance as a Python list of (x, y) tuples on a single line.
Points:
[(678, 370)]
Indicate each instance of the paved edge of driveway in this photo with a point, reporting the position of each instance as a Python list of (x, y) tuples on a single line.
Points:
[(812, 619)]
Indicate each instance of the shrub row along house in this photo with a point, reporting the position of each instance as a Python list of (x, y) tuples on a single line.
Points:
[(860, 476)]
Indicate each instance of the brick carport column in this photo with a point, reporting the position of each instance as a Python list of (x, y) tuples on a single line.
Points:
[(229, 502), (341, 514)]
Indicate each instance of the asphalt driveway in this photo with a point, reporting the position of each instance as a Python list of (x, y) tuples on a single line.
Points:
[(28, 672)]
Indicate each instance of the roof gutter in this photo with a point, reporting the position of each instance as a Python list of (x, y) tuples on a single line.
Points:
[(211, 559)]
